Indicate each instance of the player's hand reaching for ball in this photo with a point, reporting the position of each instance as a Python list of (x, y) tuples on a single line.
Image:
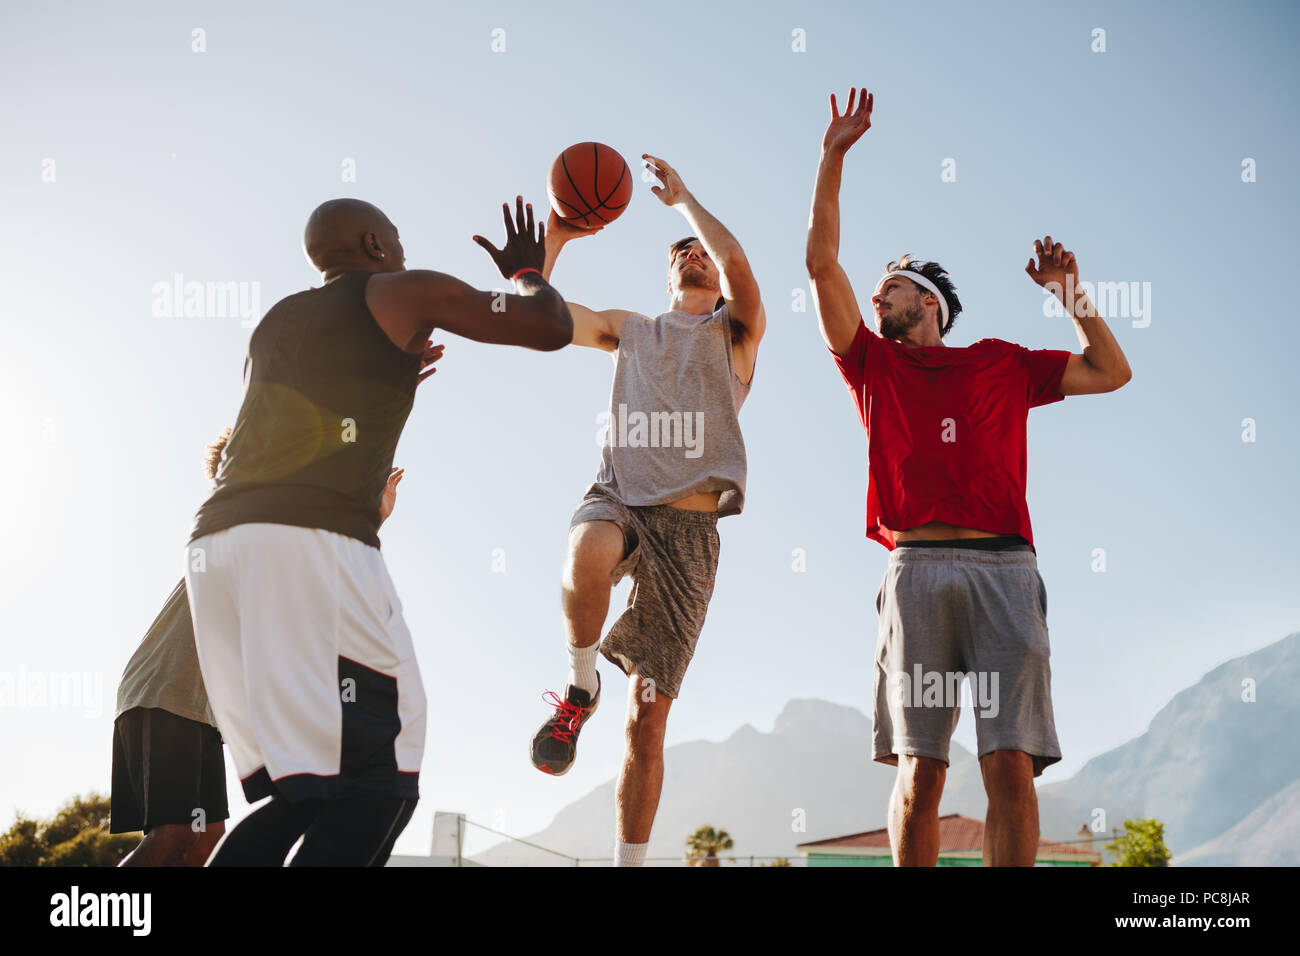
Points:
[(846, 130), (559, 231), (671, 190), (523, 248)]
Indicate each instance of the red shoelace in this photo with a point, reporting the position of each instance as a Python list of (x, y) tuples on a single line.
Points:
[(568, 716)]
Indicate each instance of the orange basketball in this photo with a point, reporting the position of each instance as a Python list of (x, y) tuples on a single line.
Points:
[(590, 185)]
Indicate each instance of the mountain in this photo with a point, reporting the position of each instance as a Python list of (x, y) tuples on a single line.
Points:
[(1269, 836), (1221, 771), (1208, 759)]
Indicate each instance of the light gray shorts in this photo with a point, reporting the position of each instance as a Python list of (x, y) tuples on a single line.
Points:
[(672, 556), (949, 615)]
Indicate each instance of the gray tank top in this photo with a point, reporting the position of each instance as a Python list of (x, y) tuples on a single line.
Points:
[(672, 422), (164, 670)]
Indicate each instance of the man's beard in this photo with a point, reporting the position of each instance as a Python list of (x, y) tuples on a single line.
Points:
[(896, 326), (692, 278)]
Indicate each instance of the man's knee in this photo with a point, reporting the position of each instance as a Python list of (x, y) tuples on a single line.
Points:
[(211, 834), (595, 549), (920, 779), (167, 844), (205, 841), (1008, 775), (647, 719), (178, 836)]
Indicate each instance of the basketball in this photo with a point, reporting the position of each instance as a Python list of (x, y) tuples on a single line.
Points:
[(589, 186)]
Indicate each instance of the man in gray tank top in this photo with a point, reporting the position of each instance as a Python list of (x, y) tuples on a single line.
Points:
[(672, 463)]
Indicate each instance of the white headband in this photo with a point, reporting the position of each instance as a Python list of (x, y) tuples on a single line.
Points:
[(923, 282)]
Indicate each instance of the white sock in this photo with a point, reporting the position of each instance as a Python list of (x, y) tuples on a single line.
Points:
[(582, 667), (629, 854)]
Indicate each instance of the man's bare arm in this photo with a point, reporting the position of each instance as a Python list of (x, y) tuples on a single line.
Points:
[(735, 276), (838, 313), (536, 317), (592, 328), (417, 301), (738, 286), (1102, 367)]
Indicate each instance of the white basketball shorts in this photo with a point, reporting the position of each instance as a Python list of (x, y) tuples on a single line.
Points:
[(307, 661)]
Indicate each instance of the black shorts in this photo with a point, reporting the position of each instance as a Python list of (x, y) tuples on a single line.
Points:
[(165, 768)]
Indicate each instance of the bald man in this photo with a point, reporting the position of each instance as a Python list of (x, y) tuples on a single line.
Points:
[(308, 664)]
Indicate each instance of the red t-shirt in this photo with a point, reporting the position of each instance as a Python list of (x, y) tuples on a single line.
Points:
[(946, 430)]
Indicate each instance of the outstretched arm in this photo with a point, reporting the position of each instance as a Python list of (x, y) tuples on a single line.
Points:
[(1102, 366), (738, 286), (838, 313), (592, 328), (535, 317)]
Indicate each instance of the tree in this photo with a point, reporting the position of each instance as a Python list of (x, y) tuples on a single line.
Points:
[(76, 836), (703, 845), (779, 861), (21, 845), (1142, 844)]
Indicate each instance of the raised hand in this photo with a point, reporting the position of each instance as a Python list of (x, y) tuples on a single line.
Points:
[(846, 130), (557, 228), (671, 190), (1055, 262), (522, 250)]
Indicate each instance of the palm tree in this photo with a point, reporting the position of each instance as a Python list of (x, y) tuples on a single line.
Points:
[(703, 845)]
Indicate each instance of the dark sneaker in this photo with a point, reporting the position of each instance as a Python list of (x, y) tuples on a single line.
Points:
[(555, 745)]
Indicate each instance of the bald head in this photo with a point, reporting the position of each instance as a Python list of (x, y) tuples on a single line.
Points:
[(350, 235)]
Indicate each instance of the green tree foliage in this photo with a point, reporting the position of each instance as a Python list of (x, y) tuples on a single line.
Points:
[(76, 836), (703, 845), (21, 846), (1142, 844)]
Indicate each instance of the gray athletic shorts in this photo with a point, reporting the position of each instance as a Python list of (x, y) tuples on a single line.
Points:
[(953, 613), (672, 556)]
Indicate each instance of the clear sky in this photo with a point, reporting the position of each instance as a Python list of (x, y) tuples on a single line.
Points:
[(129, 158)]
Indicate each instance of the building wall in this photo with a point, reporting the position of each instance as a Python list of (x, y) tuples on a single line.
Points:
[(840, 859)]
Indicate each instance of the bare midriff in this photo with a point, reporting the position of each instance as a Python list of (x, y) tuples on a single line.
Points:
[(700, 501), (941, 531)]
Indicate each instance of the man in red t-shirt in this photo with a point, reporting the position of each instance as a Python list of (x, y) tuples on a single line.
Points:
[(962, 599)]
